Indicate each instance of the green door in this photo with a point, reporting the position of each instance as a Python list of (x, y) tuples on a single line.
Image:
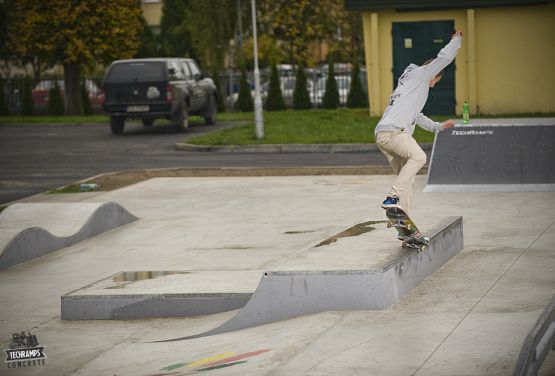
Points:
[(416, 42)]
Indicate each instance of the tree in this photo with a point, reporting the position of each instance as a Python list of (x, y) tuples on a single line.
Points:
[(75, 34), (356, 98), (87, 105), (175, 35), (26, 96), (331, 95), (4, 111), (244, 102), (55, 100), (148, 46), (301, 98), (300, 24), (274, 102), (211, 25)]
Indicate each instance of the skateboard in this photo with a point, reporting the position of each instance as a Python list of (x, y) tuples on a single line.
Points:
[(408, 233)]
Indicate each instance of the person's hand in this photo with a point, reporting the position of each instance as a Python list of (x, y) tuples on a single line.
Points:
[(448, 124), (457, 34)]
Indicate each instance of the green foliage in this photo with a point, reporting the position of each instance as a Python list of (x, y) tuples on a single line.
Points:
[(356, 98), (55, 101), (75, 33), (274, 102), (175, 36), (85, 99), (27, 105), (244, 102), (4, 110), (219, 96), (331, 95), (212, 25), (149, 46), (301, 98)]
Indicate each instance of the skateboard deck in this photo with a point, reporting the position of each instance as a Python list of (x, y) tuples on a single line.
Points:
[(407, 231)]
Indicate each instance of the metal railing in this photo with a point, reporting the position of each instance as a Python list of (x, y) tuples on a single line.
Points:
[(538, 343)]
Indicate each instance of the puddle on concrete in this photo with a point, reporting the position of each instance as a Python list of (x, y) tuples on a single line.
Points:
[(356, 230), (125, 278)]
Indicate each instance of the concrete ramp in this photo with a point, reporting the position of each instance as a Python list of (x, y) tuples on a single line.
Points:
[(29, 230), (282, 295), (494, 155)]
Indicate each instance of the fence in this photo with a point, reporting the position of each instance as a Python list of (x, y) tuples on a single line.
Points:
[(14, 92), (316, 85), (14, 88)]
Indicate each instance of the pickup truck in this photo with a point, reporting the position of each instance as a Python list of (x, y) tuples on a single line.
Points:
[(149, 89)]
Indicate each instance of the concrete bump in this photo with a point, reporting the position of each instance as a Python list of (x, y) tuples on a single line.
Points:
[(29, 230)]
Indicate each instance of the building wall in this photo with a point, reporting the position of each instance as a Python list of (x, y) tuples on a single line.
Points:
[(505, 64), (152, 12), (515, 52)]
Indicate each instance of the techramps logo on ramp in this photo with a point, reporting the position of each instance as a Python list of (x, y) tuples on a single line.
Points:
[(472, 132), (25, 351)]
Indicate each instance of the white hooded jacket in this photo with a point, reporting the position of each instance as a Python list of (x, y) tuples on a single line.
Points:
[(409, 98)]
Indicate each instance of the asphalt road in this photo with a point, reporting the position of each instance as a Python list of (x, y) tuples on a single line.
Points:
[(37, 158)]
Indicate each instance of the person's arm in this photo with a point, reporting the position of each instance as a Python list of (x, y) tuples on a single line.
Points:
[(444, 57), (432, 126)]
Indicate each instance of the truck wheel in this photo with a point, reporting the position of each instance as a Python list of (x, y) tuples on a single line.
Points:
[(211, 111), (181, 118), (117, 124)]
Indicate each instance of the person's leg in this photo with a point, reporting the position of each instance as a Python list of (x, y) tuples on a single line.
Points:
[(405, 154)]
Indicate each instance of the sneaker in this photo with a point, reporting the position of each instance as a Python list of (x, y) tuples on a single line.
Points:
[(391, 202)]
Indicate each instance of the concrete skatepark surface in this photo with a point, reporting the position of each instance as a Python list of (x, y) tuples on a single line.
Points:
[(468, 318)]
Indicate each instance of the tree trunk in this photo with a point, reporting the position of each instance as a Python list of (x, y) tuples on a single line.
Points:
[(72, 96)]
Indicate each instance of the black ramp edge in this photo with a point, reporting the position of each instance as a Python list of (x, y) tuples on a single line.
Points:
[(503, 156)]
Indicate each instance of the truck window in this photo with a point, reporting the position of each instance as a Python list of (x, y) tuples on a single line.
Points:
[(136, 71)]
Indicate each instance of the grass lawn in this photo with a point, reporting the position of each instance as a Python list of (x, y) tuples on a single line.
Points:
[(304, 127), (54, 119)]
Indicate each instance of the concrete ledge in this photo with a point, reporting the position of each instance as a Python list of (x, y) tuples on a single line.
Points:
[(147, 294), (287, 294), (287, 148), (29, 230), (121, 307)]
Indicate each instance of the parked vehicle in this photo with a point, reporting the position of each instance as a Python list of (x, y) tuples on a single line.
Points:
[(41, 91), (149, 89)]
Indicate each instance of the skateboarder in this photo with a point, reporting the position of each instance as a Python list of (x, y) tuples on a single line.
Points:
[(395, 128)]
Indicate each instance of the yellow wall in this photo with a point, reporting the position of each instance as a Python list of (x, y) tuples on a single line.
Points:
[(505, 65), (515, 52), (152, 12)]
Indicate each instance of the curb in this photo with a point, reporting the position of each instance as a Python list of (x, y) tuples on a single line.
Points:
[(287, 148)]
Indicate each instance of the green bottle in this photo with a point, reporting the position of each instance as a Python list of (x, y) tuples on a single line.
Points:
[(466, 113)]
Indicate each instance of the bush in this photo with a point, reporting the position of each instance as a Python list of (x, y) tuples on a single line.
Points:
[(331, 96), (244, 102), (219, 98), (274, 102), (28, 107), (87, 106), (301, 98), (55, 101), (357, 98), (4, 111)]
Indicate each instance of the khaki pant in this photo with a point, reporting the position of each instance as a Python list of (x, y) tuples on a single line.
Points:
[(406, 158)]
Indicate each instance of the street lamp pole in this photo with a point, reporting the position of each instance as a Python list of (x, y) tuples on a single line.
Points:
[(258, 119)]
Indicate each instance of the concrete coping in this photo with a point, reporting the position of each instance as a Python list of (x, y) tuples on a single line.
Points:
[(287, 148)]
